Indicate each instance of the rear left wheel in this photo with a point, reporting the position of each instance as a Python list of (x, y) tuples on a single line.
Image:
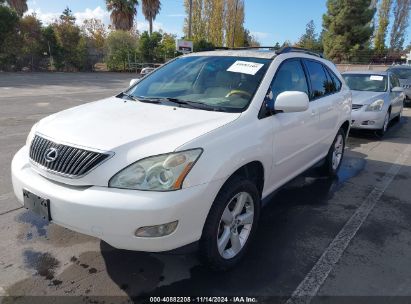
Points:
[(335, 154)]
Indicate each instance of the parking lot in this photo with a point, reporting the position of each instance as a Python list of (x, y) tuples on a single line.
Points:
[(343, 237)]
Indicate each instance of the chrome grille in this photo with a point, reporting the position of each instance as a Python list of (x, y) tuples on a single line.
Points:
[(356, 106), (69, 161), (407, 86)]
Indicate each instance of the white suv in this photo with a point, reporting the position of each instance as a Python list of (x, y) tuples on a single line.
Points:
[(188, 154)]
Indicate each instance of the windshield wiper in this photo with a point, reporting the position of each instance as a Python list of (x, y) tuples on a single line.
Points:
[(191, 104), (122, 94)]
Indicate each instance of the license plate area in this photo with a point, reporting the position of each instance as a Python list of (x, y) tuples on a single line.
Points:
[(37, 204)]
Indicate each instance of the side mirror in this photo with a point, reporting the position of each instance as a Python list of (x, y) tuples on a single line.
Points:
[(397, 90), (134, 81), (292, 101)]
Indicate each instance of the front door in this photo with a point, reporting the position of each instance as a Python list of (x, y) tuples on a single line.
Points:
[(294, 132)]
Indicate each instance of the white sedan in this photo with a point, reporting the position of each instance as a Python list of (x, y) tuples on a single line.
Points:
[(378, 98)]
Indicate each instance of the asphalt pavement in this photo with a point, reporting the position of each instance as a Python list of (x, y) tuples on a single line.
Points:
[(320, 240)]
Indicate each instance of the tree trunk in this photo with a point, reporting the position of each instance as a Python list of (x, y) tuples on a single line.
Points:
[(151, 26)]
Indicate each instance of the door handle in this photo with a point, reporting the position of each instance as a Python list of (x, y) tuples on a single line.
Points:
[(313, 113)]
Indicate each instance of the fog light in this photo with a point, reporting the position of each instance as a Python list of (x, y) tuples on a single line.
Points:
[(156, 231)]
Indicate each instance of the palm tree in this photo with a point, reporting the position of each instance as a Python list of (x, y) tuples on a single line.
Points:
[(122, 13), (151, 8), (20, 6)]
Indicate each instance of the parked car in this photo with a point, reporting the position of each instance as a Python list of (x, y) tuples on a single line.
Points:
[(403, 73), (378, 98), (189, 154), (146, 71)]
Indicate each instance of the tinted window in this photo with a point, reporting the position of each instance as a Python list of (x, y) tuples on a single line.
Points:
[(336, 81), (320, 84), (290, 77)]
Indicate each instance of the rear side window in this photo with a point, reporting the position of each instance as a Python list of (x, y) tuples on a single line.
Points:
[(321, 85), (290, 77), (336, 81)]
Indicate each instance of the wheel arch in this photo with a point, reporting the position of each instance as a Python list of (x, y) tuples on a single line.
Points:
[(346, 127)]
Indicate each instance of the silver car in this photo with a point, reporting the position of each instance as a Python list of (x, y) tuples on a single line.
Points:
[(403, 72), (377, 97)]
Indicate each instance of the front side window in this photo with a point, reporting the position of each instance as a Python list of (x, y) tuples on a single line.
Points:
[(320, 84), (214, 82), (395, 82), (290, 77), (366, 82)]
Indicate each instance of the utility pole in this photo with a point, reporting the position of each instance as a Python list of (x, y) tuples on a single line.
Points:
[(190, 19), (235, 22)]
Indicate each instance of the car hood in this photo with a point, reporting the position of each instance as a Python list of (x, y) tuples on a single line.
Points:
[(113, 123), (365, 98)]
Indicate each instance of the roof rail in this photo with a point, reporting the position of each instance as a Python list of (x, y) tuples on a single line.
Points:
[(289, 49), (244, 48)]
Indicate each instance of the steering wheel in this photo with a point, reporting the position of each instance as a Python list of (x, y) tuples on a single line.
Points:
[(239, 92)]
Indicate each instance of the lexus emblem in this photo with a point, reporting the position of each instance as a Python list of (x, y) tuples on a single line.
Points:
[(51, 155)]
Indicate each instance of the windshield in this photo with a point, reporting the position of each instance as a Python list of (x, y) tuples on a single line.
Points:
[(366, 82), (402, 73), (219, 83)]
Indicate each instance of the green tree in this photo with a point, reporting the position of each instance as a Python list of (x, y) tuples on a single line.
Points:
[(203, 45), (71, 42), (31, 36), (122, 13), (168, 45), (67, 16), (347, 29), (9, 21), (52, 48), (149, 47), (151, 8), (309, 40), (383, 21), (399, 28), (234, 23), (250, 40), (121, 48)]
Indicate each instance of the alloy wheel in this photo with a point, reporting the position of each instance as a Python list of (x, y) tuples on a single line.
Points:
[(338, 151), (235, 225)]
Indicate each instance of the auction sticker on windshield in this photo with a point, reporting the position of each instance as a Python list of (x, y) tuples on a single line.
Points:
[(377, 78), (245, 67)]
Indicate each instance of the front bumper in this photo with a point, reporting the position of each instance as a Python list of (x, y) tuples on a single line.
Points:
[(361, 119), (113, 215)]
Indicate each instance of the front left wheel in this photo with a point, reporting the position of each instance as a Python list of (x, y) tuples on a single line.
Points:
[(231, 224)]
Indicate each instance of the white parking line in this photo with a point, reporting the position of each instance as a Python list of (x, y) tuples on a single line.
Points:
[(309, 287)]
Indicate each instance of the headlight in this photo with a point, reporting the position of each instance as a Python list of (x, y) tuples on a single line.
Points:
[(375, 106), (157, 173), (31, 135)]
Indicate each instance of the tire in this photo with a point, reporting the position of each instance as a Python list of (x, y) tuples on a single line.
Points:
[(217, 229), (399, 117), (381, 132), (335, 155)]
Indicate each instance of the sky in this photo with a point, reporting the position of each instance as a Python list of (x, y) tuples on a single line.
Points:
[(270, 21)]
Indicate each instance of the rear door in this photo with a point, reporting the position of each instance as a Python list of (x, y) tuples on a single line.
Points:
[(324, 99)]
